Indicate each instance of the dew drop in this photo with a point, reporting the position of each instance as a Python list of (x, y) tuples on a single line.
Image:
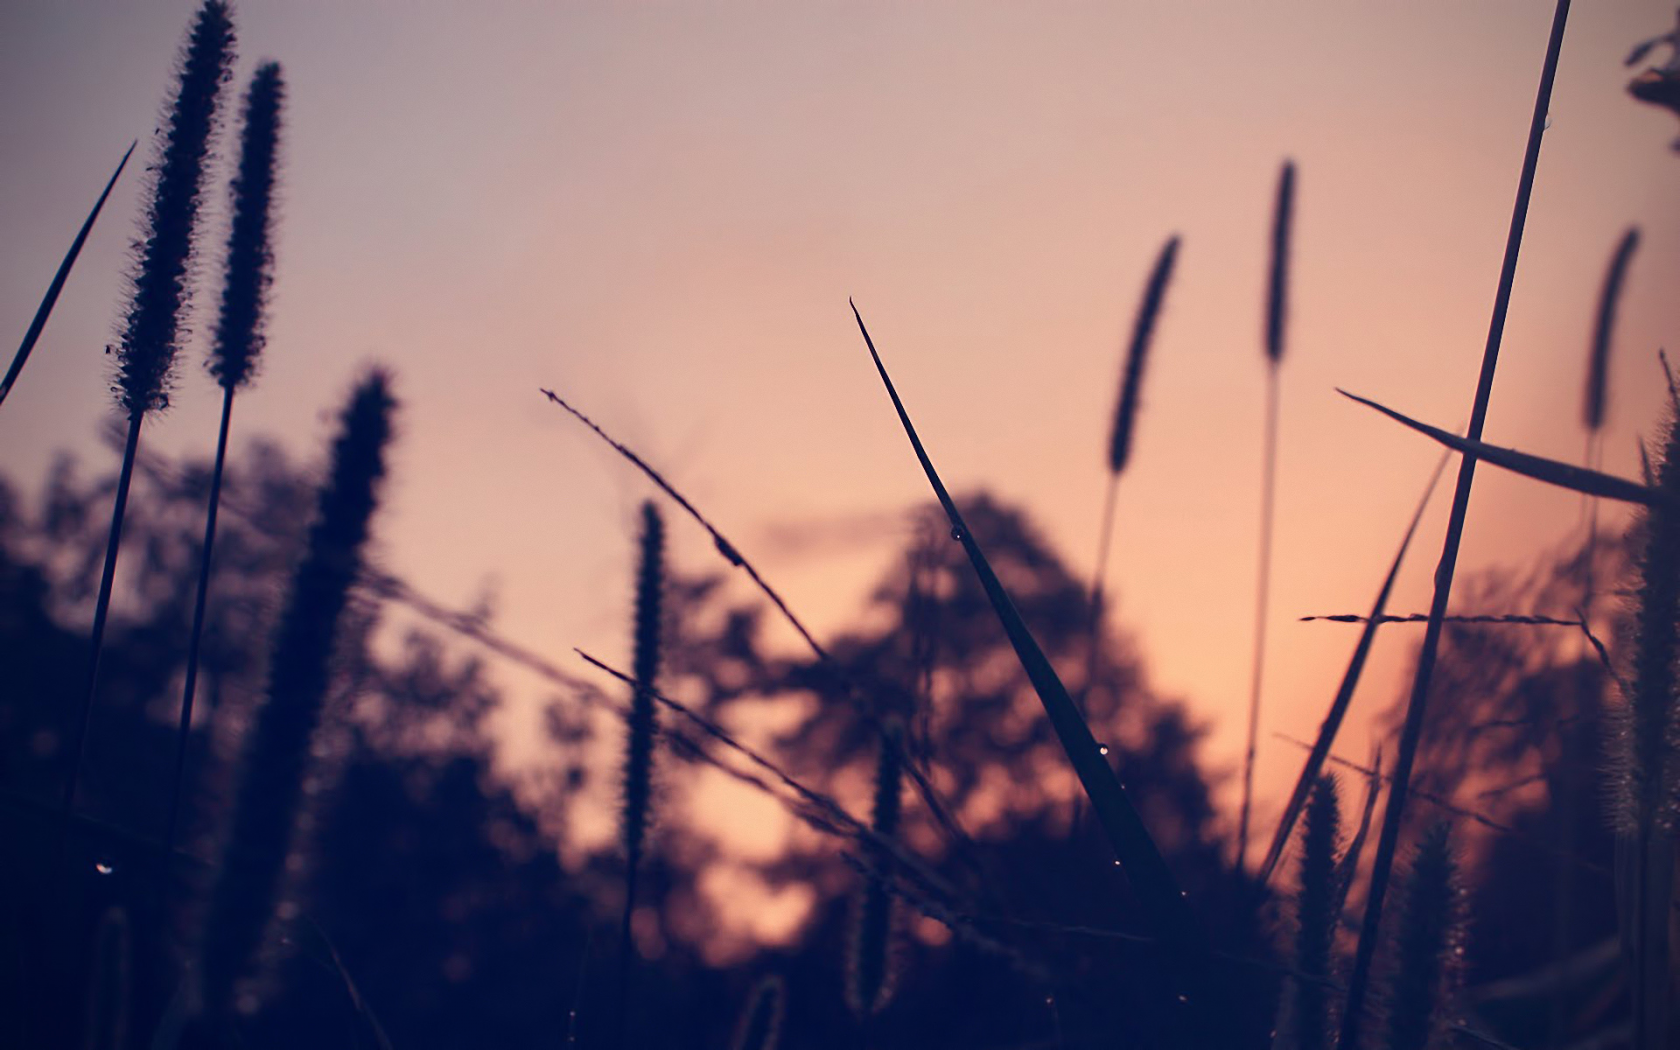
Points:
[(1102, 749), (104, 868), (956, 533)]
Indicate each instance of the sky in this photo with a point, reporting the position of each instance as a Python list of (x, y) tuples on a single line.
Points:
[(659, 210)]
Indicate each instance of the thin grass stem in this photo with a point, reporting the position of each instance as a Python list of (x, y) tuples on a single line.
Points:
[(1353, 1016)]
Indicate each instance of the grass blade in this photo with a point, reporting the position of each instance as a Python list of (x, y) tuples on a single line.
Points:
[(1163, 902), (1564, 475), (1359, 980), (51, 298), (1344, 694)]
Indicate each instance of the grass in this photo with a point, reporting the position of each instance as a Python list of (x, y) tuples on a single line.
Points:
[(1180, 941)]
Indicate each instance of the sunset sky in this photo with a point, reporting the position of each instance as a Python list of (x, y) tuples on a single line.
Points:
[(659, 211)]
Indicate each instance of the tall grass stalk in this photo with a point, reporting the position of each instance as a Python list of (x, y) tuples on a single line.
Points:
[(44, 311), (1277, 294), (277, 752), (239, 340), (1359, 979), (146, 352), (638, 749), (1120, 436)]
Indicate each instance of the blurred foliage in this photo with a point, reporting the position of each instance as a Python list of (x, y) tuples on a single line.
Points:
[(468, 913)]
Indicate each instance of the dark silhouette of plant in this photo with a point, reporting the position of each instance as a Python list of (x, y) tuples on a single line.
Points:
[(1359, 979), (146, 350), (1277, 302), (239, 339), (39, 322), (248, 887)]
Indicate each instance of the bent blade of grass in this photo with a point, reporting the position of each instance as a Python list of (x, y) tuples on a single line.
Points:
[(1564, 475), (1163, 901), (1344, 693), (48, 301)]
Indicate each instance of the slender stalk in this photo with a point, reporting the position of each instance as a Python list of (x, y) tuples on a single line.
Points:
[(1120, 439), (239, 340), (200, 601), (1277, 309), (101, 613), (1358, 982), (1262, 601), (146, 352)]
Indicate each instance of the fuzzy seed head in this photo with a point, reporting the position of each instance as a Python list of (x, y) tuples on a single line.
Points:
[(1645, 732), (1308, 1006), (147, 345), (250, 254), (1421, 988), (868, 957), (258, 855), (1125, 413), (638, 756), (1598, 364), (1277, 294)]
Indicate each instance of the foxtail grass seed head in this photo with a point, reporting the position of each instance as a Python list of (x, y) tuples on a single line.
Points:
[(869, 951), (760, 1027), (250, 251), (1308, 1004), (1427, 948), (249, 885), (159, 286), (1598, 365), (1125, 412), (1645, 730), (638, 757), (1277, 294)]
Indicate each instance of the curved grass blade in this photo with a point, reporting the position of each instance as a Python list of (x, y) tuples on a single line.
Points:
[(1564, 475), (1344, 694), (1163, 902), (51, 298)]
